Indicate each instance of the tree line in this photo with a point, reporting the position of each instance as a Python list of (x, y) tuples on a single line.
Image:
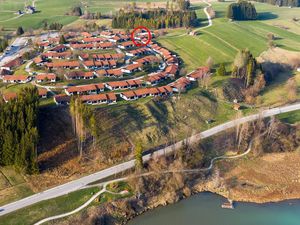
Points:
[(155, 19), (242, 10), (292, 3), (18, 131)]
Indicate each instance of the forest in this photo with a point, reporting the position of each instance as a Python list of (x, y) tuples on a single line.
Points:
[(292, 3), (18, 131), (155, 19), (241, 10)]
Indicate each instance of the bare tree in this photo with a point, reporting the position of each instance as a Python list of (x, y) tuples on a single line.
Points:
[(209, 62), (291, 88)]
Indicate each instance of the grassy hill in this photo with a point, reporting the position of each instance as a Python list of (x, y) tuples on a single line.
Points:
[(156, 123)]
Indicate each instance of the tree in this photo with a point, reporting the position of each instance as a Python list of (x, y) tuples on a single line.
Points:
[(242, 10), (138, 156), (291, 88), (62, 40), (20, 31), (221, 71), (76, 11), (209, 62), (18, 131)]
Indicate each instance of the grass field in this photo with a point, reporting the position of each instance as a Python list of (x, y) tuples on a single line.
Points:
[(275, 93), (290, 117), (224, 38), (53, 11), (34, 213), (12, 185)]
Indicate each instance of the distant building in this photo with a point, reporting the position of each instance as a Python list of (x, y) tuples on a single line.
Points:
[(29, 9)]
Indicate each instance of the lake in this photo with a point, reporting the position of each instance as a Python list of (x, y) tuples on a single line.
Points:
[(205, 209)]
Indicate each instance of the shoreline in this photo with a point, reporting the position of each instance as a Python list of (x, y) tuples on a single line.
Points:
[(202, 189)]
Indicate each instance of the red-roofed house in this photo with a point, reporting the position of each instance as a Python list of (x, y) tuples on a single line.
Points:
[(77, 75), (88, 89), (51, 77), (99, 98), (16, 79), (181, 84), (43, 93), (131, 68), (198, 74)]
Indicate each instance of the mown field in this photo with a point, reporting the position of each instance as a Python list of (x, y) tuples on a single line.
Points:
[(53, 11), (224, 38), (36, 212), (13, 185)]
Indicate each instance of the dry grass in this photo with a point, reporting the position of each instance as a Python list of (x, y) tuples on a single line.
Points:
[(279, 55), (273, 177)]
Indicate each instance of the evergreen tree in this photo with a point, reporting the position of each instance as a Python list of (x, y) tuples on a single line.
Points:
[(221, 71), (62, 40), (241, 10), (18, 131), (20, 31)]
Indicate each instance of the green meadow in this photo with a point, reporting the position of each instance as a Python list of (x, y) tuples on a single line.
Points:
[(53, 11), (222, 40)]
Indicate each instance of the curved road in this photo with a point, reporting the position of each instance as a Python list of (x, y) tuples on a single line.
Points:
[(82, 182)]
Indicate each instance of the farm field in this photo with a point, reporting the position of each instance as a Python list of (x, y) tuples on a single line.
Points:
[(224, 38), (52, 11)]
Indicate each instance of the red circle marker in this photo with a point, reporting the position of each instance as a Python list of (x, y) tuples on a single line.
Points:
[(137, 44)]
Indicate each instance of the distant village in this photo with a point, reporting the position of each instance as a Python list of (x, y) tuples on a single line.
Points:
[(109, 55)]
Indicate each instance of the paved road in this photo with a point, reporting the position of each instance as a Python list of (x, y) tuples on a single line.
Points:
[(81, 182)]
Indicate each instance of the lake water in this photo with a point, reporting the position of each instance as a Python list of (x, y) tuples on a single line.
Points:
[(205, 209)]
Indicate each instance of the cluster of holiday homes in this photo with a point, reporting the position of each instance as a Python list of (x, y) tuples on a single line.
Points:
[(43, 93), (86, 40)]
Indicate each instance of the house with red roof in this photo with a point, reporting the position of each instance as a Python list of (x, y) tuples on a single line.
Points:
[(108, 98), (78, 75), (171, 70), (155, 78), (131, 68), (181, 85), (50, 77), (145, 92), (117, 85), (43, 93), (147, 60), (87, 89), (199, 73), (22, 79), (59, 48), (126, 45), (64, 65)]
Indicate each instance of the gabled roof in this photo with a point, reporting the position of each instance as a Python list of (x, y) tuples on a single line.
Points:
[(43, 76), (15, 77)]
